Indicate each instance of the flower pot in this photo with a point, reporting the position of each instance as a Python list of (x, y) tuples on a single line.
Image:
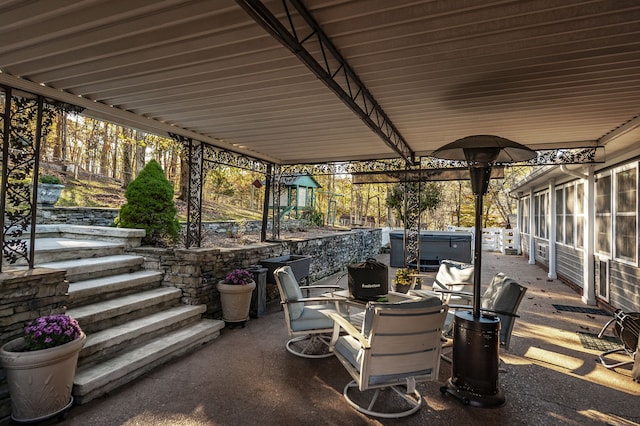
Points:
[(235, 300), (40, 382), (402, 288), (49, 193)]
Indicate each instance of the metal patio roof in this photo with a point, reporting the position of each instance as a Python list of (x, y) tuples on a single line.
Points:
[(545, 73)]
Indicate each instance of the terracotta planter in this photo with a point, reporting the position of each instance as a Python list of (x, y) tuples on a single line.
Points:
[(40, 382), (235, 300)]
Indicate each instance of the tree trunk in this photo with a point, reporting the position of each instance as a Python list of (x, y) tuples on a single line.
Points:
[(114, 162), (184, 176), (127, 154), (106, 149), (141, 148)]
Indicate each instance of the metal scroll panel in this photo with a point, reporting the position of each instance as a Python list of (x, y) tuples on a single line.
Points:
[(276, 193), (194, 155), (412, 223), (26, 119)]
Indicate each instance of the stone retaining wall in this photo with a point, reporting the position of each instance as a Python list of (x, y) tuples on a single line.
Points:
[(196, 271), (102, 216), (24, 296)]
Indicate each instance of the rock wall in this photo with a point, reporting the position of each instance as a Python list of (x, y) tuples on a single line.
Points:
[(102, 216), (196, 271), (24, 296)]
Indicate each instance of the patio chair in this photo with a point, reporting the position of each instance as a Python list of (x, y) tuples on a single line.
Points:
[(306, 317), (627, 329), (398, 347), (453, 282), (502, 298)]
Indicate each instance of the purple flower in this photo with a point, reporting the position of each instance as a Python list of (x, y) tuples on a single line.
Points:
[(50, 331), (239, 277)]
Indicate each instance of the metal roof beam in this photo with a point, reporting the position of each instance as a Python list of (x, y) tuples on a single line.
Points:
[(328, 68)]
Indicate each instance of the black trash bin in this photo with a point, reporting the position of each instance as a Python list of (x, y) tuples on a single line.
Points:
[(258, 305)]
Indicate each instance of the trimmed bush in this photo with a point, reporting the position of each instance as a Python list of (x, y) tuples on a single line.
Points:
[(150, 206)]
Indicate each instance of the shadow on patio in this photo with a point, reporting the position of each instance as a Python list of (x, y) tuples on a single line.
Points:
[(247, 377)]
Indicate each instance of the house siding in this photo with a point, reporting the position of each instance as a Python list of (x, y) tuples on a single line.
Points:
[(623, 289), (569, 264)]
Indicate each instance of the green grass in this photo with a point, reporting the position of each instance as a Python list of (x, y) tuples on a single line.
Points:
[(106, 192)]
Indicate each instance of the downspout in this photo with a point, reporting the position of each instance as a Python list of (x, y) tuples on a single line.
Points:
[(564, 169)]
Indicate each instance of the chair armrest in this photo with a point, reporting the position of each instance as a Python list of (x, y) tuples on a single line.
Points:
[(340, 322), (467, 307), (329, 287), (459, 293), (314, 299), (424, 293), (451, 284)]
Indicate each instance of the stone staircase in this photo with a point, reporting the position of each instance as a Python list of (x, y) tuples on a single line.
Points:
[(133, 324)]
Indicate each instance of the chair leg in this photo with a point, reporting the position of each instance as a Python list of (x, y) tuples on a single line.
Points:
[(413, 399), (310, 346), (603, 361), (445, 352)]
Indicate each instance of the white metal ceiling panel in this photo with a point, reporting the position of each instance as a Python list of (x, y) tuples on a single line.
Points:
[(545, 73)]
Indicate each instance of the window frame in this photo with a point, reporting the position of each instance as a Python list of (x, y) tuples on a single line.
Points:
[(616, 215), (599, 215)]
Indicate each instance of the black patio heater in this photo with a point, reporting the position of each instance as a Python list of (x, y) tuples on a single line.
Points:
[(476, 336)]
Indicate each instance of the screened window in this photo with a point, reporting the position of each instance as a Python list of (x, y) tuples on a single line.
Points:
[(569, 192), (524, 215), (626, 217), (603, 214), (541, 204), (560, 215), (580, 215)]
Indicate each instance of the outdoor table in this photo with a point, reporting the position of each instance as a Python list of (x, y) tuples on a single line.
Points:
[(348, 301)]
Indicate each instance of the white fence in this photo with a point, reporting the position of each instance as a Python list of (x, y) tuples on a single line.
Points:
[(506, 241)]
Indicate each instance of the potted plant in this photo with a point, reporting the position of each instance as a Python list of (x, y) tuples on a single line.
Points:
[(49, 190), (41, 366), (235, 296), (403, 279)]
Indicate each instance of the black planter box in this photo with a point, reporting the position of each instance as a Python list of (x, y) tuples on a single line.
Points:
[(299, 265)]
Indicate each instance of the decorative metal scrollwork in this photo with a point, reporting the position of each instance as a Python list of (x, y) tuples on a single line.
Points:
[(26, 119), (412, 223), (194, 156)]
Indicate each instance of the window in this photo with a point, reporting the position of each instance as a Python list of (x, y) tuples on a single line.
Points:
[(603, 214), (540, 211), (569, 214), (580, 215), (524, 215), (560, 215), (626, 206)]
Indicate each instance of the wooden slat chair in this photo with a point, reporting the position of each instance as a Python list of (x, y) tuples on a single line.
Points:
[(398, 347)]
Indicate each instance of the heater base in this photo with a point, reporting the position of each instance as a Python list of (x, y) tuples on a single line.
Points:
[(472, 398)]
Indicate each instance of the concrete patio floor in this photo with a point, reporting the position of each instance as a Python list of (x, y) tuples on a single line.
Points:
[(246, 377)]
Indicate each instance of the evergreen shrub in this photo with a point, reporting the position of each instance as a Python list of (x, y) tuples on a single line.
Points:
[(151, 206)]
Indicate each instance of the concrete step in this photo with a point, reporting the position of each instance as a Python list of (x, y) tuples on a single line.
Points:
[(84, 269), (57, 249), (126, 236), (107, 343), (100, 289), (96, 380), (109, 313)]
